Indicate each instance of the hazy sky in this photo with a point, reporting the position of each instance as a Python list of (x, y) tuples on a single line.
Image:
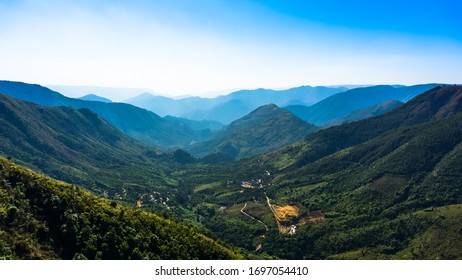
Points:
[(181, 47)]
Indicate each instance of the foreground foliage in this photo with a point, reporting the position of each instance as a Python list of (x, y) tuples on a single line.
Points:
[(41, 218)]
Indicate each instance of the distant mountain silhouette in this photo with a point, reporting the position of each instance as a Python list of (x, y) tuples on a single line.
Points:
[(369, 112), (338, 105), (94, 97), (139, 123), (228, 108)]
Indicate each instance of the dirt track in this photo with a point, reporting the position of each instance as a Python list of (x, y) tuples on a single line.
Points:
[(252, 217)]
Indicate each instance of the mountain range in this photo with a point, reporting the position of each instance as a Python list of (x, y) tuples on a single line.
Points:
[(379, 188), (77, 146), (342, 104), (139, 123), (384, 187), (233, 106), (197, 137)]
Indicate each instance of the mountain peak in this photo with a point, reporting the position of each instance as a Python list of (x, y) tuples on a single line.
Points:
[(264, 129), (267, 108), (94, 97), (262, 114)]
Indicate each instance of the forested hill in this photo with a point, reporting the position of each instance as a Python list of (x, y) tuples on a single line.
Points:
[(138, 123), (265, 129), (434, 104), (381, 188), (41, 218), (76, 146)]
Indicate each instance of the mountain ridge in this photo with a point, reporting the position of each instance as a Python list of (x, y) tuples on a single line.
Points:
[(94, 97), (346, 102), (365, 113), (369, 189), (266, 128), (77, 146), (233, 105), (139, 123)]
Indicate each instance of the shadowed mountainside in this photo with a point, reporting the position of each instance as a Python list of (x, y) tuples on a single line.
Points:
[(338, 105)]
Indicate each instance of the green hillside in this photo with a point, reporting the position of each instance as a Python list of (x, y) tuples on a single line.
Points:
[(45, 219), (138, 123), (265, 129), (79, 147), (386, 187)]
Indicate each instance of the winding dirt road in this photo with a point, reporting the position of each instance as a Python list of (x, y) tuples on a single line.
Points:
[(252, 217)]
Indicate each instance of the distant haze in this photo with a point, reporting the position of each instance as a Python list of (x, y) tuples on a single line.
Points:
[(187, 47), (115, 94)]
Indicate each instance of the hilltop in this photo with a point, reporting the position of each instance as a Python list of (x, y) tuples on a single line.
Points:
[(94, 97), (265, 129)]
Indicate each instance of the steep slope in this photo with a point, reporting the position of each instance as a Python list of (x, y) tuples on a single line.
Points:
[(79, 147), (136, 122), (387, 180), (228, 108), (365, 113), (323, 112), (267, 128), (425, 107), (380, 188), (41, 218)]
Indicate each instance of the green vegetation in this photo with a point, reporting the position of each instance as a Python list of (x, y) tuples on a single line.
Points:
[(373, 179), (388, 187), (265, 129), (138, 123), (79, 147), (45, 219)]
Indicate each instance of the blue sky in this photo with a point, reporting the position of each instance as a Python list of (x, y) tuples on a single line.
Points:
[(206, 46)]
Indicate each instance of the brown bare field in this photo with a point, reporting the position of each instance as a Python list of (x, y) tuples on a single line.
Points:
[(283, 212)]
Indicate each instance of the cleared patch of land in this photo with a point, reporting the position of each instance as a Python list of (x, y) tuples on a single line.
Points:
[(283, 212)]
